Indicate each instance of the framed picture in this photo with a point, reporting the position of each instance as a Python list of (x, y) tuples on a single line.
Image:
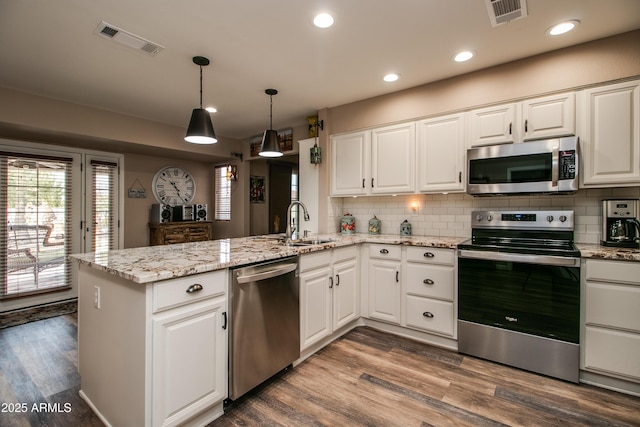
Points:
[(256, 189), (285, 136)]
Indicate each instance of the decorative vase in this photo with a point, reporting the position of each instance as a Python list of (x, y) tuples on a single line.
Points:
[(348, 224), (405, 228), (375, 225)]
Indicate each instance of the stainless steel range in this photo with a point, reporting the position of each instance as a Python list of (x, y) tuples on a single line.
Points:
[(519, 291)]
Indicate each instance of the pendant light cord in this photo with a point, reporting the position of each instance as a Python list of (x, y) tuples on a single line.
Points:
[(201, 87), (270, 112)]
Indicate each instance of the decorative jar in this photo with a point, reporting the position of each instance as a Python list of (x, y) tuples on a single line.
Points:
[(405, 228), (348, 224), (375, 225)]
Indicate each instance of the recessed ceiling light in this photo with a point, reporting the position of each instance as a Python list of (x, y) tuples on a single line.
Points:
[(562, 28), (463, 56), (323, 20), (391, 77), (212, 109)]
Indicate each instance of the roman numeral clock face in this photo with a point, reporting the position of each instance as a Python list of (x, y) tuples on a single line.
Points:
[(173, 185)]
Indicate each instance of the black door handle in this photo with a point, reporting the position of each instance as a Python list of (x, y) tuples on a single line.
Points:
[(194, 288), (224, 320), (427, 314), (428, 282)]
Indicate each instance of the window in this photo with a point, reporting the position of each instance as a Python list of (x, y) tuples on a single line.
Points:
[(104, 179), (222, 210), (36, 191)]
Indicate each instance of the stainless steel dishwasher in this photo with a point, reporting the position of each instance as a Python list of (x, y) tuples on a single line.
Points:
[(264, 323)]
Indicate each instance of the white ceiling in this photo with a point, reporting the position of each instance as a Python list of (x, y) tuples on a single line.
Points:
[(49, 48)]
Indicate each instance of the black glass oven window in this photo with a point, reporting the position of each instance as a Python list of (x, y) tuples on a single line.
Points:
[(541, 300), (511, 170)]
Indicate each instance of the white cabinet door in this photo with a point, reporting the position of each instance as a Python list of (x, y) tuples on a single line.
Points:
[(493, 125), (189, 361), (384, 290), (346, 301), (392, 159), (610, 134), (441, 153), (350, 164), (315, 305), (549, 116)]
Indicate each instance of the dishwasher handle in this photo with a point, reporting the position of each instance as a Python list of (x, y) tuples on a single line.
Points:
[(268, 274)]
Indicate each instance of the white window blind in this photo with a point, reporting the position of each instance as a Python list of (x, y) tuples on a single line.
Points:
[(104, 178), (35, 193), (222, 211)]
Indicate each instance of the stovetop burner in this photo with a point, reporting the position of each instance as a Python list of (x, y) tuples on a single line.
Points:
[(528, 232)]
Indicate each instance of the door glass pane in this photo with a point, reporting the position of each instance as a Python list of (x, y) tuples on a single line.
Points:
[(35, 192)]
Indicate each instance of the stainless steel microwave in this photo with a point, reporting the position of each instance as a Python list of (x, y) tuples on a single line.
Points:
[(545, 166)]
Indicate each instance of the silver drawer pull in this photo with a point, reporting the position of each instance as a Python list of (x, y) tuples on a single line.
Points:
[(194, 288), (384, 251), (427, 314), (429, 254), (428, 282)]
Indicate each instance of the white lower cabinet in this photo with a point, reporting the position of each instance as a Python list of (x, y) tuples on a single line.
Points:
[(384, 285), (430, 290), (329, 293), (611, 331), (189, 369)]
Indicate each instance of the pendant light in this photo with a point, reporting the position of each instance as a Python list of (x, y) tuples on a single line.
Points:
[(200, 130), (270, 141)]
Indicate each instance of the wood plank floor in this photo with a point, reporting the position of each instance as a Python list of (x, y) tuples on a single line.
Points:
[(367, 378), (371, 378)]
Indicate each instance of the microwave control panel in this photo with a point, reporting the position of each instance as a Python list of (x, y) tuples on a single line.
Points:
[(568, 164)]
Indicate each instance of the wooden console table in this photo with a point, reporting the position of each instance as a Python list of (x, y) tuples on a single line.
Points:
[(166, 233)]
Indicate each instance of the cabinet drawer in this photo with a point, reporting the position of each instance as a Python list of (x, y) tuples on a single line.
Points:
[(430, 315), (344, 253), (613, 271), (185, 290), (612, 351), (435, 281), (385, 252), (430, 255), (613, 305), (314, 260)]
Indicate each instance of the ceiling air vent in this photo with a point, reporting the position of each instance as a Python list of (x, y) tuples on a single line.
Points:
[(503, 11), (126, 38)]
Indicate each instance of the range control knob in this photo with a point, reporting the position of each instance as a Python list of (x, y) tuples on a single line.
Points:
[(489, 217), (549, 218), (479, 217), (562, 218)]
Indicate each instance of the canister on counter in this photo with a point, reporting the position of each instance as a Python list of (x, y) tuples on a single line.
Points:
[(348, 224), (375, 225), (405, 228)]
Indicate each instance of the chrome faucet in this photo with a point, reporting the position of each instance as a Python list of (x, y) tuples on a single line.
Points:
[(288, 232)]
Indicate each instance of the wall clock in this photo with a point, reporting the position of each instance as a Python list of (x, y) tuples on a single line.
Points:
[(173, 185)]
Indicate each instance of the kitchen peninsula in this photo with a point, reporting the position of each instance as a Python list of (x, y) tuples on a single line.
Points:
[(147, 354)]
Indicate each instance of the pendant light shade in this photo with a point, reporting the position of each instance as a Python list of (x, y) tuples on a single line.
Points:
[(270, 141), (200, 130)]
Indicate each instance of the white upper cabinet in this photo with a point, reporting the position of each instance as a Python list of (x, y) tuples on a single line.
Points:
[(610, 135), (392, 159), (378, 161), (350, 158), (441, 153), (492, 125), (537, 118)]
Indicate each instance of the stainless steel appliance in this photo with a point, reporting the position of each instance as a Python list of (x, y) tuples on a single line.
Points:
[(620, 225), (519, 291), (264, 335), (545, 166)]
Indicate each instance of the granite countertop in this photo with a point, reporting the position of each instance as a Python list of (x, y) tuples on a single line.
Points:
[(153, 263), (607, 252)]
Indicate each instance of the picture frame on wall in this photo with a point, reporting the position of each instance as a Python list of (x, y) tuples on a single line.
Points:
[(256, 189), (285, 136)]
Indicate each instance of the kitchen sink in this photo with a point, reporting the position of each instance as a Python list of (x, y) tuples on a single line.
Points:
[(307, 242)]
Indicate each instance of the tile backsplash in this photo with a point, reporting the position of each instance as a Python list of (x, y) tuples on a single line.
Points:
[(449, 215)]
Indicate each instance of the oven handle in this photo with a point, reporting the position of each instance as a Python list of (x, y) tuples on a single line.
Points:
[(526, 258)]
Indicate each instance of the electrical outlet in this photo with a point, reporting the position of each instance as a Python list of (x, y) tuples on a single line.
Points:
[(96, 297)]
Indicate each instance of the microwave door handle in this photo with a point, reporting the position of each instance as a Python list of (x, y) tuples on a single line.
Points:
[(555, 166)]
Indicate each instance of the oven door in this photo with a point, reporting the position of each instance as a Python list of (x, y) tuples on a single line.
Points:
[(532, 294)]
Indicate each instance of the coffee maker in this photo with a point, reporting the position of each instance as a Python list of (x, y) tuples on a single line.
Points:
[(620, 225)]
